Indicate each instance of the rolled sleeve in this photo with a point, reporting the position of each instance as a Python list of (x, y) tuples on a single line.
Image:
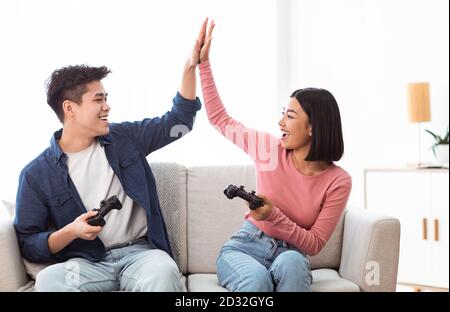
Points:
[(35, 247), (186, 105), (151, 134), (31, 221)]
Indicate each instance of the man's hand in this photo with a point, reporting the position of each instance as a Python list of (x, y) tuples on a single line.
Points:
[(81, 229), (263, 212), (194, 58), (188, 81), (206, 41)]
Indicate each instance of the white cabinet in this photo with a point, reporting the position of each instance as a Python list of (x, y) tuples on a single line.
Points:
[(419, 198)]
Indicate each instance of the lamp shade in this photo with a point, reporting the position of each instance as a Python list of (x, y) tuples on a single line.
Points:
[(419, 102)]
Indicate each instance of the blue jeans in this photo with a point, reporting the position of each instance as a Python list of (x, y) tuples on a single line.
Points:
[(254, 261), (133, 267)]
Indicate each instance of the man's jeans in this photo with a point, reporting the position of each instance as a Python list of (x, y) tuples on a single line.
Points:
[(133, 267), (254, 261)]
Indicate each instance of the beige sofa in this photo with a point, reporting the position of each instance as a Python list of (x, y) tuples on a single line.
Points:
[(362, 254)]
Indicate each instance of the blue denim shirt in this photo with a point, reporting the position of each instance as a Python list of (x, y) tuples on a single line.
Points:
[(47, 198)]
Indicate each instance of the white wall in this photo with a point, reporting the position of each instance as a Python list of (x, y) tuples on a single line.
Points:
[(365, 52), (145, 43)]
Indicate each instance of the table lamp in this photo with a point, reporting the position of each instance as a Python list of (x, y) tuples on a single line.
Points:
[(419, 108)]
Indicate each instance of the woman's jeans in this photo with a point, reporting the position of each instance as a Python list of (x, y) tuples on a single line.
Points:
[(254, 261)]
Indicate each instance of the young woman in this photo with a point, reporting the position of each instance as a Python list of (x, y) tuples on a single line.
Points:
[(304, 192)]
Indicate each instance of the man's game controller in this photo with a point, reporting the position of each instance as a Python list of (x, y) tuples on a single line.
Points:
[(105, 207), (254, 201)]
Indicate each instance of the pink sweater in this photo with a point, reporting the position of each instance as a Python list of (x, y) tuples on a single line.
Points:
[(306, 208)]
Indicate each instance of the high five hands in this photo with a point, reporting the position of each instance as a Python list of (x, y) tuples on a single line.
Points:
[(206, 42), (200, 52)]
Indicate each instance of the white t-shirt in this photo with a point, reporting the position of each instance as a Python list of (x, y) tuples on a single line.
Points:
[(95, 180)]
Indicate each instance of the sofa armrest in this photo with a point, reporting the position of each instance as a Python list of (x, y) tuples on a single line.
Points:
[(370, 250), (12, 270)]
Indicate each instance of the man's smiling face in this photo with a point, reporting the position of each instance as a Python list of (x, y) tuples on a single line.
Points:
[(91, 115)]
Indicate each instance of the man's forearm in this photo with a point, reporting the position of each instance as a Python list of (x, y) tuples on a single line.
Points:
[(60, 239), (188, 82)]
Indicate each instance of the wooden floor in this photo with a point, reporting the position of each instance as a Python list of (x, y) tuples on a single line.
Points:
[(417, 288)]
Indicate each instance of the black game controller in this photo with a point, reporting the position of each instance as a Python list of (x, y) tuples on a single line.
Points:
[(105, 207), (254, 201)]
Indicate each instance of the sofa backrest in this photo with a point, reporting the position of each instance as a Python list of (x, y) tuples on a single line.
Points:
[(330, 255), (212, 218), (171, 186)]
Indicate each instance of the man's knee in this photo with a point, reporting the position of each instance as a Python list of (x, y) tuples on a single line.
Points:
[(165, 276), (167, 270), (55, 278)]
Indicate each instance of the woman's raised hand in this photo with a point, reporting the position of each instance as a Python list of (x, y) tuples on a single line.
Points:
[(206, 40)]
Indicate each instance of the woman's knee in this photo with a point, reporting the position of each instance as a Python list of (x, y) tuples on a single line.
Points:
[(291, 272), (254, 278), (291, 263), (257, 280)]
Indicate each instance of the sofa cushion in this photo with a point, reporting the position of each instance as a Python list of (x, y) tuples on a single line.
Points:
[(12, 272), (29, 287), (33, 268), (330, 255), (212, 217), (326, 280), (323, 280), (6, 209), (204, 283)]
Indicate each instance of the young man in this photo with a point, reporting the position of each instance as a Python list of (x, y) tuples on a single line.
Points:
[(90, 160)]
